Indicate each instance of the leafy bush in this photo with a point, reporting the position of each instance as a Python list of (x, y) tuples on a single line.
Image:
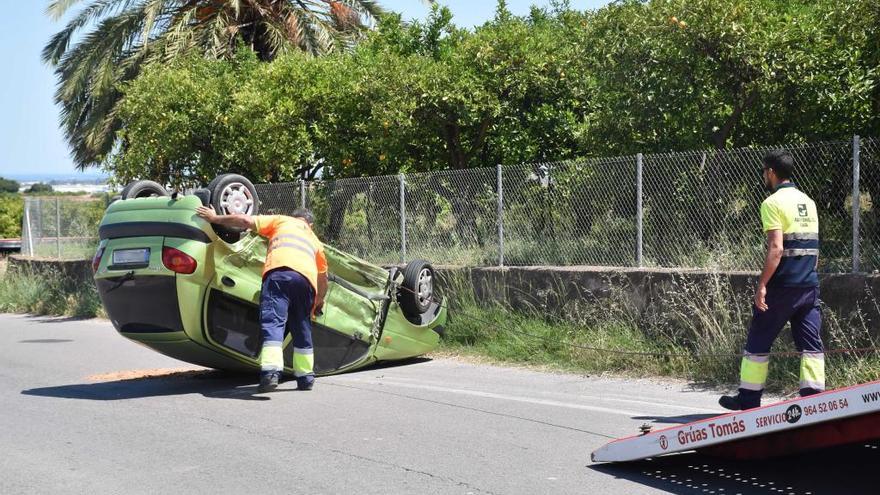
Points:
[(8, 186), (11, 210), (39, 188), (630, 77)]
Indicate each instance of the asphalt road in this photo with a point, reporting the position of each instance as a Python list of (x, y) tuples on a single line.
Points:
[(78, 416)]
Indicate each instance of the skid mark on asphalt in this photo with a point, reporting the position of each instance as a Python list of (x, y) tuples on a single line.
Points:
[(603, 398)]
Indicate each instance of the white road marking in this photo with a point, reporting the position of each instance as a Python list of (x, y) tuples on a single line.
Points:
[(605, 398), (491, 395)]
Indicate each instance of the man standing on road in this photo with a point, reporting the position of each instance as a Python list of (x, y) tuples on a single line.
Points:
[(788, 290), (294, 285)]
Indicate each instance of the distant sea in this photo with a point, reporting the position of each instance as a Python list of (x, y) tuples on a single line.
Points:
[(69, 182)]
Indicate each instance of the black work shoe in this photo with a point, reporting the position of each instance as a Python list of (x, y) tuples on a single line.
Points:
[(806, 392), (305, 383), (268, 381), (736, 403)]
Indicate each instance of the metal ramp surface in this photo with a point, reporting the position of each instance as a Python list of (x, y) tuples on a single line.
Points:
[(835, 417)]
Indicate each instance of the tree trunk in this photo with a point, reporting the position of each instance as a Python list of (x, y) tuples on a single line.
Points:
[(719, 137)]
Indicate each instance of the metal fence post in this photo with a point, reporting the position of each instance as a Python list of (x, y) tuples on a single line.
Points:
[(302, 194), (38, 221), (499, 178), (402, 182), (856, 204), (58, 226), (639, 212), (27, 227)]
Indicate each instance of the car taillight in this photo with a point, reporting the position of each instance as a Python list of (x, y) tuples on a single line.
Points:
[(177, 261), (96, 260)]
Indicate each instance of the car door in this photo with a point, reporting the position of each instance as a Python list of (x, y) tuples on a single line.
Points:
[(343, 335), (232, 315)]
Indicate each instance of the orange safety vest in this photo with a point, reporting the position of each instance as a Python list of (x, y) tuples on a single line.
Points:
[(292, 244)]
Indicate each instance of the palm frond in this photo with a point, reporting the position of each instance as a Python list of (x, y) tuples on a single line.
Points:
[(57, 8), (59, 43), (151, 9)]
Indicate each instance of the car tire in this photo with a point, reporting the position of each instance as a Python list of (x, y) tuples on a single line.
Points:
[(417, 292), (126, 188), (233, 194), (143, 189)]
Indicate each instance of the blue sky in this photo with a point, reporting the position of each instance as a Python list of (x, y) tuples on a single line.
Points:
[(32, 142)]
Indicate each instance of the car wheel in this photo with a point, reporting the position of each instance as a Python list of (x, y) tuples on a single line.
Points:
[(417, 292), (233, 194), (143, 189), (126, 188)]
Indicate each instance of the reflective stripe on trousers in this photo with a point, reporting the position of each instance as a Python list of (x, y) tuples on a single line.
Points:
[(303, 361), (753, 371), (271, 357), (813, 371)]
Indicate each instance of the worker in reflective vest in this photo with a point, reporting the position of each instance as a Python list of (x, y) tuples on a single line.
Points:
[(788, 290), (294, 285)]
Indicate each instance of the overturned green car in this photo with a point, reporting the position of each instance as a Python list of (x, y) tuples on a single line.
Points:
[(180, 286)]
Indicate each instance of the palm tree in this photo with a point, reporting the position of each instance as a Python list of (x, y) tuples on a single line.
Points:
[(116, 38)]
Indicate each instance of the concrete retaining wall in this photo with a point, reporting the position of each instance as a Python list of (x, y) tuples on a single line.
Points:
[(559, 289), (74, 273)]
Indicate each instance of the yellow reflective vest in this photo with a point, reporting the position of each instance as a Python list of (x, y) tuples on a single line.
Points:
[(794, 213)]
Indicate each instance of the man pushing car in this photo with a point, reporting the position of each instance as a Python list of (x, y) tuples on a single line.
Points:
[(294, 286)]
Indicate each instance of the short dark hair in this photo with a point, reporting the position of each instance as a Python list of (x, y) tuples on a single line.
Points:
[(304, 214), (781, 162)]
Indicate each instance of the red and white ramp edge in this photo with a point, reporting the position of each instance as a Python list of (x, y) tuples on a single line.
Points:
[(835, 417)]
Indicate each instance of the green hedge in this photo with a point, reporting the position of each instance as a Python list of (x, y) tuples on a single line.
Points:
[(11, 210)]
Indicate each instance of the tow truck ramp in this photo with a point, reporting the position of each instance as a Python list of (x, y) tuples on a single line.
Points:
[(835, 417)]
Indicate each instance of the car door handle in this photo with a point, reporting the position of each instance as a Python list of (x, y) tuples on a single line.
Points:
[(228, 282)]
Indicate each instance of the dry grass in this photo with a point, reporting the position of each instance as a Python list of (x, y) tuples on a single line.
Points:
[(695, 332), (47, 293)]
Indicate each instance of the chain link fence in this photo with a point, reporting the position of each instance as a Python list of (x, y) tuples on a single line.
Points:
[(867, 228), (61, 227), (701, 209), (688, 210), (565, 213)]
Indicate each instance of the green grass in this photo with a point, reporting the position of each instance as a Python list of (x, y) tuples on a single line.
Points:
[(47, 293), (695, 332), (512, 337)]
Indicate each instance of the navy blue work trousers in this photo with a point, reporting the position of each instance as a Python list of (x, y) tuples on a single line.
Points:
[(798, 305), (286, 305)]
